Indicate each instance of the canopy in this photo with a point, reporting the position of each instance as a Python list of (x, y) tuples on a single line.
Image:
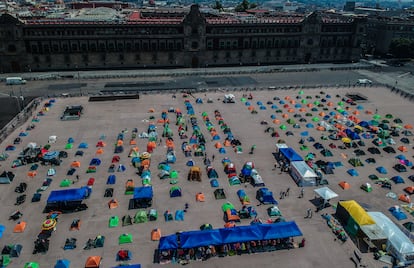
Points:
[(143, 192), (168, 242), (279, 230), (240, 234), (68, 195), (194, 239), (290, 154), (325, 193), (360, 216)]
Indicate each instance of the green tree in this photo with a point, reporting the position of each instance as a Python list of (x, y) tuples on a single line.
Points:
[(402, 48), (218, 6), (243, 6)]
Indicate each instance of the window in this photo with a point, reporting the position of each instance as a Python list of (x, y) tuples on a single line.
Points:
[(310, 42)]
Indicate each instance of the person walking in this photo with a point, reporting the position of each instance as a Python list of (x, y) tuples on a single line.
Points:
[(213, 157), (308, 213), (287, 192), (302, 193)]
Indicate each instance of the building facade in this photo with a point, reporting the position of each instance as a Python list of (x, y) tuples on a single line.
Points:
[(176, 39)]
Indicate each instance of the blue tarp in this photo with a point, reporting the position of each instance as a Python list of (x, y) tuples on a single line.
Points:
[(241, 234), (236, 234), (67, 195), (143, 192), (290, 154), (280, 230), (168, 242), (194, 239)]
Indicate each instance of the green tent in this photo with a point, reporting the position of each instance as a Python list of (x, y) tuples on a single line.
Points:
[(140, 216), (341, 103), (376, 116), (47, 146), (304, 101), (69, 146), (290, 121), (227, 206), (146, 182), (389, 116), (273, 211), (243, 99), (315, 119), (283, 127), (204, 114), (113, 221), (304, 148), (174, 174), (316, 102), (5, 260), (125, 239), (65, 183), (31, 265), (301, 92)]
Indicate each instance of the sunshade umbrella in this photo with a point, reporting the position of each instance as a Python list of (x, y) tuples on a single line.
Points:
[(49, 224)]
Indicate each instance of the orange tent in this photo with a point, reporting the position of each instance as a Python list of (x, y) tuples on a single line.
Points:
[(291, 110), (100, 151), (200, 197), (119, 143), (320, 128), (408, 126), (287, 98), (218, 145), (145, 162), (403, 149), (227, 143), (404, 198), (170, 143), (155, 234), (151, 146), (93, 262), (285, 115), (20, 227), (276, 121), (310, 105), (178, 110), (344, 185), (322, 114), (151, 110), (292, 102), (409, 189), (250, 108), (368, 112), (113, 203), (330, 104), (75, 164), (132, 142), (229, 224), (356, 112), (337, 116), (302, 110)]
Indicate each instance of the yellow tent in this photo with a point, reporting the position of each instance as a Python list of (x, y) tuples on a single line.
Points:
[(360, 216)]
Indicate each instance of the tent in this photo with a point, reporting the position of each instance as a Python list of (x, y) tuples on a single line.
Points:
[(325, 193), (219, 194), (302, 174), (175, 191), (125, 239), (62, 264), (244, 199), (126, 220), (141, 217), (93, 262), (113, 221), (142, 197), (111, 179), (344, 185), (231, 215), (20, 227), (179, 215), (194, 174), (397, 179), (273, 211), (31, 265), (6, 177), (156, 234), (67, 200), (398, 243), (265, 196), (381, 170), (353, 172), (352, 216), (290, 155)]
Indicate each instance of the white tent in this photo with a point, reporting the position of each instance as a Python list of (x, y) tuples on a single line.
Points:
[(325, 193), (398, 242), (303, 174)]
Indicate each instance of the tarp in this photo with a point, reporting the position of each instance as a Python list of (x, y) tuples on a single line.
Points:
[(240, 234), (194, 239), (168, 242), (326, 193), (290, 154), (143, 192), (279, 230), (360, 216), (67, 195)]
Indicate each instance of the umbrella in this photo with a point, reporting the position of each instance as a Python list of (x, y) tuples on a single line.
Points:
[(49, 224)]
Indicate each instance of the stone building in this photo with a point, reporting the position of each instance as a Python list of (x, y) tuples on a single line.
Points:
[(104, 38)]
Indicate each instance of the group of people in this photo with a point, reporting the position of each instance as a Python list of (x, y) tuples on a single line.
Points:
[(184, 256)]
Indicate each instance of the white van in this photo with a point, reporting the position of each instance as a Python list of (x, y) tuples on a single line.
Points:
[(364, 82), (15, 81)]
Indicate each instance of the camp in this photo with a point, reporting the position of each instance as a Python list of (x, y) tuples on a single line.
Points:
[(142, 197), (302, 174)]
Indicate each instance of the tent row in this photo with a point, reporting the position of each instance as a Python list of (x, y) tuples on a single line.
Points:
[(238, 234)]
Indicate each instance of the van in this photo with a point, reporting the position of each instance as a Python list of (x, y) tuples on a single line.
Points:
[(15, 81), (364, 82)]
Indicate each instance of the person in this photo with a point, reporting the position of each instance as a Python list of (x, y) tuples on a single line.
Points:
[(275, 166), (287, 192), (213, 157), (302, 192), (77, 178), (309, 214)]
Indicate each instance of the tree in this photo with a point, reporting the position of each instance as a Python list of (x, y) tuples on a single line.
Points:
[(402, 48), (218, 6), (243, 6)]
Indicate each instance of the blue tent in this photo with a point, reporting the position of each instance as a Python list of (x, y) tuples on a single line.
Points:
[(222, 150), (214, 183), (111, 179), (309, 125), (274, 106), (121, 168), (280, 230), (194, 239), (175, 191), (265, 196), (259, 103), (352, 135), (262, 107), (273, 116), (240, 234), (247, 103), (353, 172), (216, 137), (364, 124), (68, 195), (2, 228), (290, 154), (143, 192), (50, 155), (71, 140), (381, 170), (198, 100), (400, 157), (62, 263), (397, 179), (95, 162), (83, 145), (397, 213), (179, 215), (168, 242)]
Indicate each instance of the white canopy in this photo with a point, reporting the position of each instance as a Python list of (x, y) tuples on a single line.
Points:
[(325, 193)]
